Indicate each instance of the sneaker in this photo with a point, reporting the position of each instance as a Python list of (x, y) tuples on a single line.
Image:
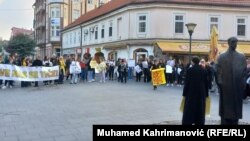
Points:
[(93, 80), (4, 87), (167, 85), (11, 87)]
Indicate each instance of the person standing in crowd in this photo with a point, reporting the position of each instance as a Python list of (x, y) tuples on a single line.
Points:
[(24, 64), (119, 74), (75, 69), (111, 69), (9, 60), (145, 67), (37, 63), (55, 61), (138, 71), (231, 72), (90, 70), (83, 67), (68, 62), (103, 68), (47, 63), (154, 67), (195, 94), (62, 66), (179, 79), (130, 69), (85, 71), (1, 62), (247, 92), (124, 71), (169, 74)]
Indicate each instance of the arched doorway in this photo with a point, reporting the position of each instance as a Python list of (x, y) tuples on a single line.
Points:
[(112, 55), (140, 54)]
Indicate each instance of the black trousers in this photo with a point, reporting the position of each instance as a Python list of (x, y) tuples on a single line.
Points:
[(229, 121), (111, 73)]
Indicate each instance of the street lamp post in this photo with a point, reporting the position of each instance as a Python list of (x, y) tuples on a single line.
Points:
[(190, 27), (44, 51)]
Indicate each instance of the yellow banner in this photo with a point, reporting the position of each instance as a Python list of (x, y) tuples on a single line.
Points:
[(158, 76)]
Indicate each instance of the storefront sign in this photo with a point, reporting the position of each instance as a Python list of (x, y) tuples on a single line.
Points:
[(201, 47)]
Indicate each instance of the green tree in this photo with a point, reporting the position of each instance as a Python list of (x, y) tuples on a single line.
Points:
[(3, 44), (21, 44)]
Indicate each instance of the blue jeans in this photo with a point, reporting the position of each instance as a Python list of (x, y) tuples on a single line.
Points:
[(90, 75), (130, 72), (84, 74)]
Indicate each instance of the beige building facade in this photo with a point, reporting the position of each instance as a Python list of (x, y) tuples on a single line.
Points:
[(141, 28), (51, 16)]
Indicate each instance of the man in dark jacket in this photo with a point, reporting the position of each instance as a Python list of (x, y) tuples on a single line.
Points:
[(195, 94), (231, 69), (37, 63)]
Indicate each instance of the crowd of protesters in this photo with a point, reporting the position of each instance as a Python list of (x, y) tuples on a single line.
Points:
[(77, 70)]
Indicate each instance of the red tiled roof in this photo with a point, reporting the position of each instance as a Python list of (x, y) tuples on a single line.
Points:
[(117, 4), (17, 31)]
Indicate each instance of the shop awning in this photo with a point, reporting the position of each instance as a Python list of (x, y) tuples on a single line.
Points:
[(182, 47), (243, 48), (198, 48)]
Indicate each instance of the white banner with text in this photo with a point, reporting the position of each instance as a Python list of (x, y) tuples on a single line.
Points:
[(16, 73)]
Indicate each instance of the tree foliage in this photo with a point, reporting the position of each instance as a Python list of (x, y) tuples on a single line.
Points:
[(3, 44), (21, 44)]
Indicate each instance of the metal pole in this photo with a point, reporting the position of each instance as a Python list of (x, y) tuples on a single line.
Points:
[(190, 46), (45, 29)]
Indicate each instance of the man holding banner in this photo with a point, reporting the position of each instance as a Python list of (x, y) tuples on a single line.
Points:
[(158, 75), (37, 63)]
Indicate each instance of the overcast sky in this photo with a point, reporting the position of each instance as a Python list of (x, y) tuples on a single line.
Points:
[(15, 13)]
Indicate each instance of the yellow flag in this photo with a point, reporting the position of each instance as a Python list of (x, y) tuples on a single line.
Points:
[(208, 105)]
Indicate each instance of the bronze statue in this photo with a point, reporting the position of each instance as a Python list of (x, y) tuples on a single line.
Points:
[(231, 68)]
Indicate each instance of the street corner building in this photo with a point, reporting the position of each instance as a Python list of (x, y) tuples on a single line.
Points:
[(134, 29)]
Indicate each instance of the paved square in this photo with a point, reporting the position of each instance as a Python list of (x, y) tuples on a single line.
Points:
[(67, 112)]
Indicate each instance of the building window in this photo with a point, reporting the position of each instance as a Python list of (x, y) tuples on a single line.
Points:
[(142, 19), (96, 33), (75, 38), (90, 1), (79, 37), (241, 27), (55, 12), (110, 29), (55, 31), (70, 40), (103, 31), (76, 14), (179, 24), (214, 21), (119, 28), (52, 31), (86, 32)]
